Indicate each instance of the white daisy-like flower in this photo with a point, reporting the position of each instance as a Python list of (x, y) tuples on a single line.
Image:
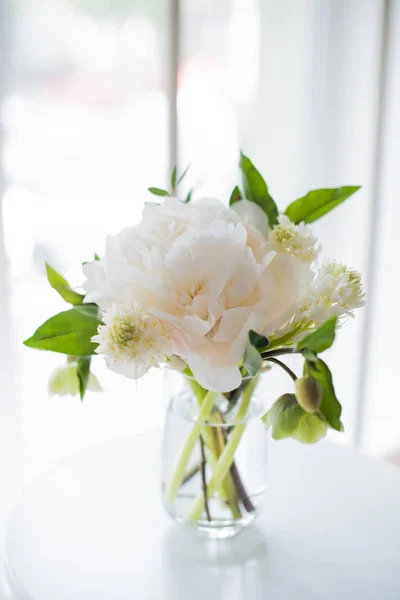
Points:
[(337, 291), (133, 341), (297, 240)]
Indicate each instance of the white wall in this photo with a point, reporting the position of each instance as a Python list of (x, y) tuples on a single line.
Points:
[(382, 422)]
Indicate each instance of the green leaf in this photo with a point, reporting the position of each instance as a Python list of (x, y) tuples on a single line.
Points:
[(317, 203), (182, 177), (235, 196), (83, 372), (252, 360), (258, 341), (62, 286), (173, 179), (188, 197), (309, 355), (330, 406), (65, 380), (95, 257), (288, 419), (69, 332), (256, 190), (321, 339), (158, 191)]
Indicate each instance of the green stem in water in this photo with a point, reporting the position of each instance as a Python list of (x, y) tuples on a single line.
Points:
[(226, 486), (184, 456), (225, 460), (221, 469), (203, 478), (214, 442)]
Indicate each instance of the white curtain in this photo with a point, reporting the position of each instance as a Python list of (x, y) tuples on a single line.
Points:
[(300, 87)]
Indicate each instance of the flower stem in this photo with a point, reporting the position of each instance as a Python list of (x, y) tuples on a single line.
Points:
[(221, 469), (226, 485), (226, 459), (279, 352), (284, 367), (234, 473), (191, 473), (214, 442), (203, 479), (185, 454), (241, 490)]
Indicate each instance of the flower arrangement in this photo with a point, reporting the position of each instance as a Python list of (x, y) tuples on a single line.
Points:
[(220, 293)]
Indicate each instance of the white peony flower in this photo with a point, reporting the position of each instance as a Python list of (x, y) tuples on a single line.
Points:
[(211, 281), (133, 341), (163, 224), (297, 240)]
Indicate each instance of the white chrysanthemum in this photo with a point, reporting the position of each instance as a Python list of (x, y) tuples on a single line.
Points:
[(297, 240), (133, 341), (337, 291)]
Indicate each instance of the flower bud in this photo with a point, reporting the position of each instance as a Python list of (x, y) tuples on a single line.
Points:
[(288, 419), (64, 381), (309, 393)]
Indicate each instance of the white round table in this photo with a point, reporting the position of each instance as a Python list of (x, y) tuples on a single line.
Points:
[(93, 528)]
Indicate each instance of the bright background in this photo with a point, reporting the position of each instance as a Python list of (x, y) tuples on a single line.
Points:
[(309, 89)]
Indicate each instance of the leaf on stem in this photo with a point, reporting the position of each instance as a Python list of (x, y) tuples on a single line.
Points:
[(235, 196), (256, 190), (188, 197), (158, 191), (317, 203), (62, 286), (182, 177), (83, 372), (258, 341), (330, 406), (252, 361), (173, 180), (321, 339), (69, 332)]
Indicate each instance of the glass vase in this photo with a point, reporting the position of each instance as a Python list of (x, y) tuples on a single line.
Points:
[(214, 458)]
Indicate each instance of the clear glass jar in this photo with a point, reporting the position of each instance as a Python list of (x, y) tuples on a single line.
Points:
[(214, 458)]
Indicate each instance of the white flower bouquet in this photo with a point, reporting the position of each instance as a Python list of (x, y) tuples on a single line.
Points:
[(220, 293)]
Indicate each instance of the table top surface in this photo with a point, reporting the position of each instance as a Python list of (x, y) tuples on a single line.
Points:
[(93, 528)]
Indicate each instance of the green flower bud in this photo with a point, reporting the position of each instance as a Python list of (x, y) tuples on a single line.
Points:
[(309, 393), (287, 418)]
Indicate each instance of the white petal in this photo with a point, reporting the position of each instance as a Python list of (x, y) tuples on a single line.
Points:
[(131, 368), (231, 324), (215, 379), (251, 214), (284, 282)]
